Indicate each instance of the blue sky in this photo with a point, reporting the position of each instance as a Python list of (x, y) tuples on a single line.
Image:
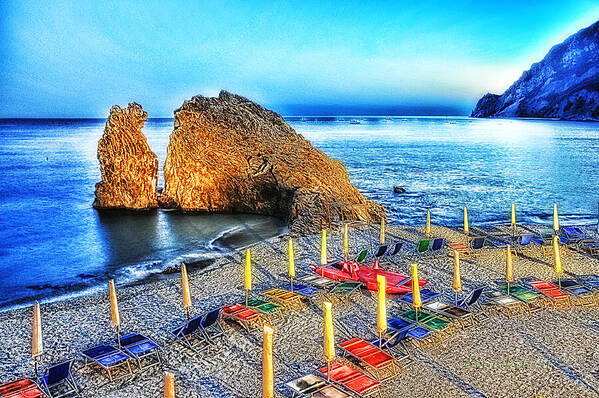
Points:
[(76, 59)]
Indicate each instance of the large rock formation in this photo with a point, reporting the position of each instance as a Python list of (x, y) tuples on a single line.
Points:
[(228, 154), (565, 84), (129, 168)]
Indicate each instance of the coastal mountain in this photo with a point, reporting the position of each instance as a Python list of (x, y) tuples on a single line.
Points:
[(564, 85), (128, 167), (228, 154)]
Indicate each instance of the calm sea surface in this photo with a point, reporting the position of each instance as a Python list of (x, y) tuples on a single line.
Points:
[(53, 243)]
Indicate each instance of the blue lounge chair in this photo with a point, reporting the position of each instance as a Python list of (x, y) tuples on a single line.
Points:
[(574, 234), (472, 299), (141, 348), (437, 244), (211, 325), (425, 295), (396, 248), (190, 336), (524, 241), (108, 358), (57, 381), (381, 251), (477, 243), (308, 292), (418, 333)]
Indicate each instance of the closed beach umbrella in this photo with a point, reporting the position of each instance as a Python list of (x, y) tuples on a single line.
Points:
[(291, 262), (513, 216), (169, 385), (382, 237), (345, 242), (417, 301), (382, 318), (558, 261), (37, 346), (186, 290), (323, 248), (509, 269), (428, 224), (114, 310), (555, 218), (466, 226), (457, 279), (329, 335), (248, 275), (267, 368)]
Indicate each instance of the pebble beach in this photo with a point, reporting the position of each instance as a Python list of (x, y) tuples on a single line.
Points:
[(549, 353)]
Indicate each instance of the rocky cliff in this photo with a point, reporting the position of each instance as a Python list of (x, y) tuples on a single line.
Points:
[(228, 154), (565, 84), (129, 168)]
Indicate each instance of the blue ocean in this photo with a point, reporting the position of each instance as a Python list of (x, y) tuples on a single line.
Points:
[(53, 243)]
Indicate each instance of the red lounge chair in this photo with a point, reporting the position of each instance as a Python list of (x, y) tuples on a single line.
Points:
[(372, 357), (553, 293), (24, 388), (246, 317), (354, 380)]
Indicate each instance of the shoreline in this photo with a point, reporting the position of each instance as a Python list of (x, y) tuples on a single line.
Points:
[(560, 344)]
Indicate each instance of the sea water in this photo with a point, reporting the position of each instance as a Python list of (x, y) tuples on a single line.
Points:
[(53, 243)]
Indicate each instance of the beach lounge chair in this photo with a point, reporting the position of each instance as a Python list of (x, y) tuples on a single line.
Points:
[(317, 281), (351, 379), (396, 248), (306, 292), (557, 297), (142, 349), (211, 325), (284, 297), (418, 336), (574, 234), (313, 386), (267, 309), (524, 242), (463, 316), (392, 340), (589, 246), (581, 295), (534, 302), (190, 336), (246, 317), (477, 243), (380, 363), (380, 251), (460, 248), (108, 358), (423, 246), (439, 324), (343, 291), (437, 245), (58, 381), (24, 388), (425, 295), (362, 256), (503, 303)]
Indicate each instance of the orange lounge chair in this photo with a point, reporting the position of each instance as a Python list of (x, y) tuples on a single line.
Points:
[(371, 357), (460, 248), (246, 317), (24, 388), (352, 379)]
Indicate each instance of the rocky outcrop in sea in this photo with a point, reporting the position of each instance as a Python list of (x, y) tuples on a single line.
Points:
[(128, 167), (564, 85), (228, 154)]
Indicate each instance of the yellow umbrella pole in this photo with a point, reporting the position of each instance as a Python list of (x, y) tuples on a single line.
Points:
[(114, 311), (513, 219), (267, 368), (323, 248), (291, 263), (186, 290), (555, 219), (345, 242), (382, 234), (558, 261), (248, 275), (37, 346), (509, 268), (417, 301), (382, 314), (457, 279), (466, 226), (428, 232), (169, 385), (329, 337)]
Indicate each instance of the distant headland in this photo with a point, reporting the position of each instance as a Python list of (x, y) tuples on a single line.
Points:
[(564, 85)]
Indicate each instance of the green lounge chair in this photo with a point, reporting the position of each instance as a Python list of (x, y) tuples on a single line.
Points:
[(344, 290), (423, 245), (362, 256)]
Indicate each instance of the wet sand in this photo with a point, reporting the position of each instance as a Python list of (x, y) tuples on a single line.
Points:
[(547, 353)]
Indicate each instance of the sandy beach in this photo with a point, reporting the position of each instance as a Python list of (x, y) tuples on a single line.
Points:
[(551, 353)]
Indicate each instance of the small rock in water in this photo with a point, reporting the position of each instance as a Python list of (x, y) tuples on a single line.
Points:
[(398, 189)]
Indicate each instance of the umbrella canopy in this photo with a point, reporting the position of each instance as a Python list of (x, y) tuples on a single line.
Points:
[(267, 368), (329, 334), (114, 305), (382, 236), (291, 259), (555, 218), (186, 290), (323, 248), (428, 224), (509, 269), (37, 347), (457, 279), (417, 301), (466, 226), (169, 385), (558, 261), (382, 318)]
